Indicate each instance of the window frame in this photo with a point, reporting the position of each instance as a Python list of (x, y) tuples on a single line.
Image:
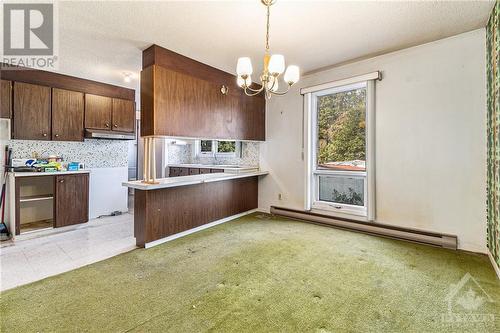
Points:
[(312, 202), (326, 205), (204, 153), (214, 152)]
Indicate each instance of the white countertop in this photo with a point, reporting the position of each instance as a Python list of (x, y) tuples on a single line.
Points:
[(225, 167), (191, 180), (55, 173)]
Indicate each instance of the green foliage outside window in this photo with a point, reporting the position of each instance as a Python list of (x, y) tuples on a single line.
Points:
[(341, 126), (226, 146), (351, 198)]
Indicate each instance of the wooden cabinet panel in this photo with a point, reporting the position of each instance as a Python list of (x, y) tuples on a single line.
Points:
[(5, 99), (71, 199), (203, 171), (164, 212), (31, 116), (177, 104), (67, 115), (194, 171), (123, 115), (98, 111), (216, 170), (183, 171), (173, 172), (254, 111)]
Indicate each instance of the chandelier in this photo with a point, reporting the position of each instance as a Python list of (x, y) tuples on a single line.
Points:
[(274, 66)]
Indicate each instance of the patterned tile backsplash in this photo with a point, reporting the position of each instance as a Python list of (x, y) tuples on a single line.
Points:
[(95, 153), (185, 154)]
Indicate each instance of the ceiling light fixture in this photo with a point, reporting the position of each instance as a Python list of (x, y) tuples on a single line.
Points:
[(274, 66), (127, 77)]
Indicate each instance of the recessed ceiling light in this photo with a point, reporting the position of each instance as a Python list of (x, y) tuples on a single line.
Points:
[(127, 77)]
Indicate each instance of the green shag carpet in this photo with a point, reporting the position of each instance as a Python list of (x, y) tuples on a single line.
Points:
[(265, 274)]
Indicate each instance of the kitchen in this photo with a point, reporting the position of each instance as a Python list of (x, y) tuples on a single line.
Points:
[(70, 142)]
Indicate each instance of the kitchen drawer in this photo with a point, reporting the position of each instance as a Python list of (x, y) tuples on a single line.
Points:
[(204, 170), (194, 171), (216, 170)]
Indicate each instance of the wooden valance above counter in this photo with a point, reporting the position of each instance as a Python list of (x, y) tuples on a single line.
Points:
[(181, 97)]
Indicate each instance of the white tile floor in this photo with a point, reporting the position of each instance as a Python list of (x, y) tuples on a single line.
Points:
[(39, 255)]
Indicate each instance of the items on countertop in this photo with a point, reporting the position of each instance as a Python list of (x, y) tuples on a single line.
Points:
[(50, 164)]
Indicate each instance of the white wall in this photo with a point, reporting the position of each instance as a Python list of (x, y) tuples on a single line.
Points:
[(430, 138)]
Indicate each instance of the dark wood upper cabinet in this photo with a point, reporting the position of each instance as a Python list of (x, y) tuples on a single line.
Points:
[(5, 99), (67, 115), (98, 110), (183, 97), (32, 114), (71, 189), (123, 115)]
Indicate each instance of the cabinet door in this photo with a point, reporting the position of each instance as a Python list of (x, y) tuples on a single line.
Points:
[(250, 119), (194, 171), (5, 99), (183, 171), (98, 112), (67, 115), (71, 199), (31, 112), (123, 115)]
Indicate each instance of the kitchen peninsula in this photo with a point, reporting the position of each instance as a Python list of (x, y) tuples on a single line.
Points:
[(180, 205)]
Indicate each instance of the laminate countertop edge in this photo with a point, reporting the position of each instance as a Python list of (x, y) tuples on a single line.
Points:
[(40, 174), (191, 180)]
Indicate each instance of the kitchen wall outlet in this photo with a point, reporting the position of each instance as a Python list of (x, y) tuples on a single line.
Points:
[(280, 196)]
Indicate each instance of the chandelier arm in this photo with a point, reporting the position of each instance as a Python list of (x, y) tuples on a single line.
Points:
[(255, 92), (281, 93)]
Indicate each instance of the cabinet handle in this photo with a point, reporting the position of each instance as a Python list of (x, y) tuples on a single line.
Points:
[(107, 124), (57, 135), (224, 90), (61, 181), (44, 134), (115, 125)]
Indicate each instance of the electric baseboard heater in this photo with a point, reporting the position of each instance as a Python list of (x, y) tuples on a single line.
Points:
[(383, 230)]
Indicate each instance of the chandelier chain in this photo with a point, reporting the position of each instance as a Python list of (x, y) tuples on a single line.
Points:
[(267, 28)]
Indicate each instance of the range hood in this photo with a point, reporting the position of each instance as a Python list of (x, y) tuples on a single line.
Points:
[(110, 135)]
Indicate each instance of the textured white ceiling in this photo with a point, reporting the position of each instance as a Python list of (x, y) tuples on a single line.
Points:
[(101, 40)]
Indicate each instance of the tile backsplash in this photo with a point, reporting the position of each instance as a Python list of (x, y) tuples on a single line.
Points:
[(95, 153), (178, 154)]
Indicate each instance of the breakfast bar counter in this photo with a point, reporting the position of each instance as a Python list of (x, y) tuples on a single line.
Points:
[(180, 205)]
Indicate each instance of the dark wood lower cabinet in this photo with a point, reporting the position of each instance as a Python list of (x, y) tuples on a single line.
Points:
[(66, 195), (181, 171), (71, 199), (164, 212)]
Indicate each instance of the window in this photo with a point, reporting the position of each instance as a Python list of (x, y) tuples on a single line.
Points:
[(226, 147), (339, 120), (206, 147), (218, 148)]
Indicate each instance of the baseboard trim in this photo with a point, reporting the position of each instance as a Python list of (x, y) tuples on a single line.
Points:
[(495, 266), (377, 229), (201, 227)]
